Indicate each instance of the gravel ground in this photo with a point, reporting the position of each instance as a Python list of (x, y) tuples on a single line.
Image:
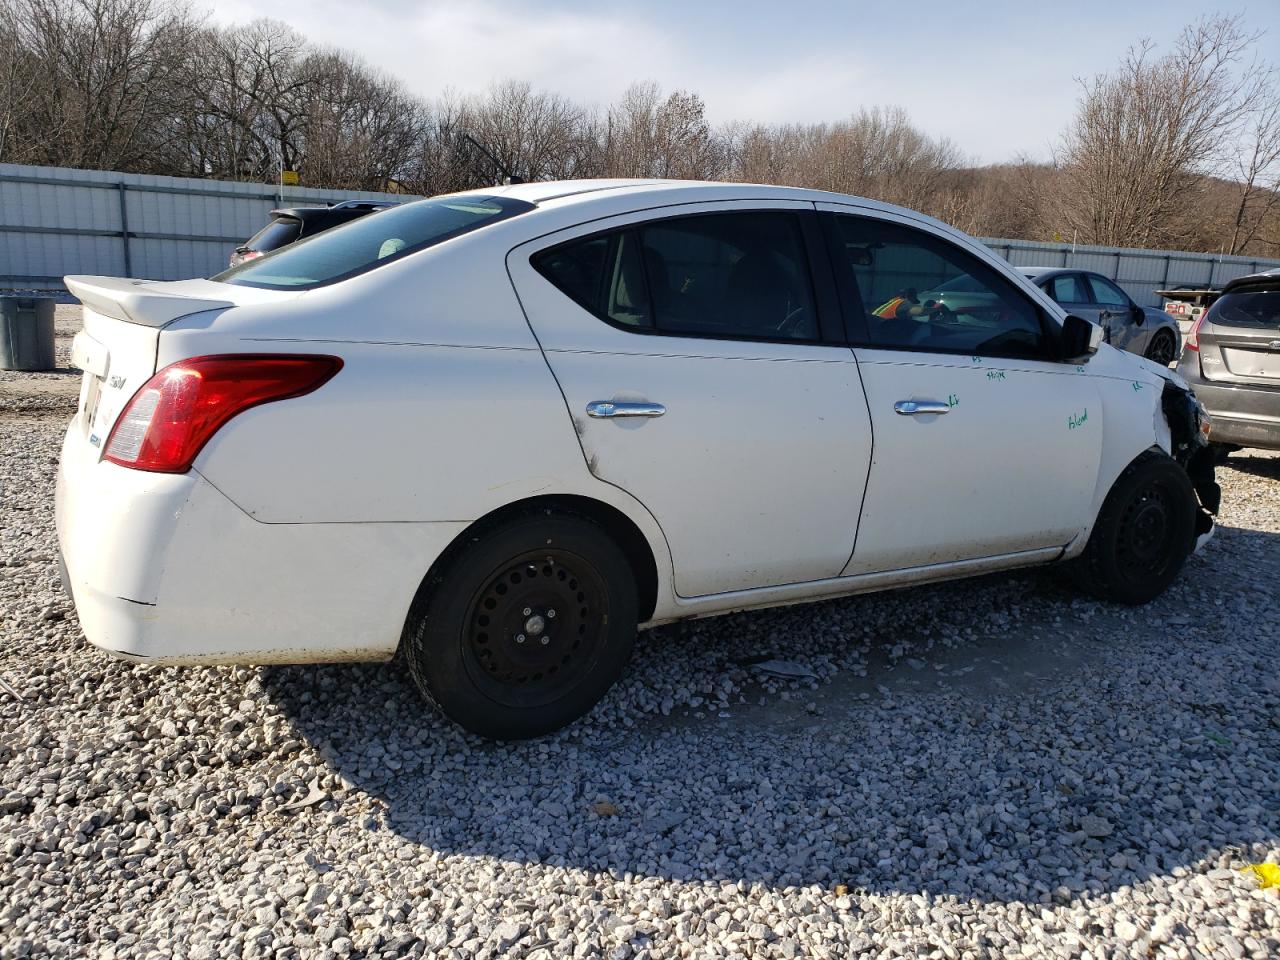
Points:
[(994, 768)]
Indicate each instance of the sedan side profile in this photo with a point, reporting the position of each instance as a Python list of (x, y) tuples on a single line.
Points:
[(1146, 331), (500, 430)]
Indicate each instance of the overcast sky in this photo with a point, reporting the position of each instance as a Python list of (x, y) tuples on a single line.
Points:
[(996, 77)]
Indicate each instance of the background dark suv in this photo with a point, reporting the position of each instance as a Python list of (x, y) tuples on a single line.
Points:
[(294, 223)]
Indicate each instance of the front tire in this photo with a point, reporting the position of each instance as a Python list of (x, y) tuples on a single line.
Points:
[(1144, 532), (1161, 348), (526, 626)]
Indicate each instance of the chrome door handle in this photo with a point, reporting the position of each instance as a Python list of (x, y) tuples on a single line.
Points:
[(608, 409), (914, 408)]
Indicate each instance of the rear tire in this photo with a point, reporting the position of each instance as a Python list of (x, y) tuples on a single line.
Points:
[(526, 626), (1221, 451), (1161, 348), (1144, 532)]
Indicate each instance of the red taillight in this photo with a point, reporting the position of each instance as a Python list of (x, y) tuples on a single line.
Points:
[(1193, 337), (173, 415)]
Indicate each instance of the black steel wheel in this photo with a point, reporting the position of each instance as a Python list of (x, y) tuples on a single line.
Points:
[(525, 626), (1143, 534), (1146, 530), (533, 628), (1162, 348)]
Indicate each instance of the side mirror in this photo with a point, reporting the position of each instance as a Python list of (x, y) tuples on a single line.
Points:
[(1080, 338), (1138, 314)]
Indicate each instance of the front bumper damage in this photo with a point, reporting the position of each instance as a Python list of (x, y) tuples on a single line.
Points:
[(1189, 428)]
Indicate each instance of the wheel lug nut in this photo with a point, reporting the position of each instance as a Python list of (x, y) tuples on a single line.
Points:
[(519, 638), (550, 614), (528, 610), (545, 639)]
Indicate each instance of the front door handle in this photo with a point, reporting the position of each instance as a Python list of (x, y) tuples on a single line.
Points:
[(609, 409), (915, 408)]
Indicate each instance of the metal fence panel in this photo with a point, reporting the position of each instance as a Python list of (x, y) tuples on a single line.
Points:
[(1140, 273), (56, 221)]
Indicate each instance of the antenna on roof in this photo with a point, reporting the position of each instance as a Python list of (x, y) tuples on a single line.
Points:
[(507, 176)]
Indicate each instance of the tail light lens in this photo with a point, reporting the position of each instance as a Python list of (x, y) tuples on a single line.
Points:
[(1193, 336), (173, 415)]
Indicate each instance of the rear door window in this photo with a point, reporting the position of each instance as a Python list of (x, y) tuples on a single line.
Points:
[(1068, 288), (730, 276), (604, 275), (1107, 293)]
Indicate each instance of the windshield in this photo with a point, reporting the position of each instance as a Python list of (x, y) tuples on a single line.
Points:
[(277, 233), (371, 241)]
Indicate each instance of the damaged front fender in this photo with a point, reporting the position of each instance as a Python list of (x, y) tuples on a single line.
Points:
[(1189, 428)]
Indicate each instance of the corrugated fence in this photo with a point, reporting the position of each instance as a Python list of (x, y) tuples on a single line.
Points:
[(56, 220), (1140, 272)]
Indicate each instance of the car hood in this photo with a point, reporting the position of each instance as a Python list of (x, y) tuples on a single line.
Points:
[(1165, 373), (1114, 362)]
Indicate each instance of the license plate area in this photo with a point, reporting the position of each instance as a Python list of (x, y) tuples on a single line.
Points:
[(90, 397), (1243, 362)]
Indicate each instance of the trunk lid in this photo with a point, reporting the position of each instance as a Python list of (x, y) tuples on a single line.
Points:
[(118, 346), (1240, 338)]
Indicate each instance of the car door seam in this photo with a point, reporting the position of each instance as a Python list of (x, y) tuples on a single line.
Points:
[(871, 459), (577, 435)]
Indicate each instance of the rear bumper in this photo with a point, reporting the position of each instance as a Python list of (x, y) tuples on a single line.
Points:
[(1242, 414), (165, 569)]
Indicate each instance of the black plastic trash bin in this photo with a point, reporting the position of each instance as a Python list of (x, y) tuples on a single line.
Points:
[(26, 333)]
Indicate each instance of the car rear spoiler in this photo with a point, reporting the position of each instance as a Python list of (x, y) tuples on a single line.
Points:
[(149, 303)]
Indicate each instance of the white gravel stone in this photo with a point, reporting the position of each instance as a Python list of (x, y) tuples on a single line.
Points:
[(988, 768)]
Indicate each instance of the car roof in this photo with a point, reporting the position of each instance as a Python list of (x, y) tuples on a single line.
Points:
[(1267, 280), (1044, 273), (344, 209), (571, 192), (619, 196)]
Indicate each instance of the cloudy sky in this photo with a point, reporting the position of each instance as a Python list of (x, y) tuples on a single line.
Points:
[(997, 77)]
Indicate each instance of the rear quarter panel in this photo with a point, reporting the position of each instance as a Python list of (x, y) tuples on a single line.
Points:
[(445, 409)]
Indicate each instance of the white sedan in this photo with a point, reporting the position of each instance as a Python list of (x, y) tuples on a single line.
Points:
[(500, 430)]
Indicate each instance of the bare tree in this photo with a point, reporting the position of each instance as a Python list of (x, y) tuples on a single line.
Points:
[(1258, 173), (19, 74), (362, 129), (649, 135), (103, 72), (533, 135), (1145, 135), (876, 153)]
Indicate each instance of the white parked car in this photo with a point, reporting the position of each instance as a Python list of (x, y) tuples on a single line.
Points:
[(501, 429)]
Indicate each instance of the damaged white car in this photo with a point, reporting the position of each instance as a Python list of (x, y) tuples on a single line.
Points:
[(500, 430)]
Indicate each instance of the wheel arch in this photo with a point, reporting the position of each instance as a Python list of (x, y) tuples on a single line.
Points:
[(621, 528)]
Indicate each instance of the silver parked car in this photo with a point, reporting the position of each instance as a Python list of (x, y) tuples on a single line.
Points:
[(1146, 331), (1232, 361)]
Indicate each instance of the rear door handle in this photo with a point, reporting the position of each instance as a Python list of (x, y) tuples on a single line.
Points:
[(915, 408), (609, 409)]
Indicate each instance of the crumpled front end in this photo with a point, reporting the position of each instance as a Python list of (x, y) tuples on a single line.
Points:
[(1189, 429)]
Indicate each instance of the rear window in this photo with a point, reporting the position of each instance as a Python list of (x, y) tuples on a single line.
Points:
[(276, 234), (369, 242), (1259, 309)]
